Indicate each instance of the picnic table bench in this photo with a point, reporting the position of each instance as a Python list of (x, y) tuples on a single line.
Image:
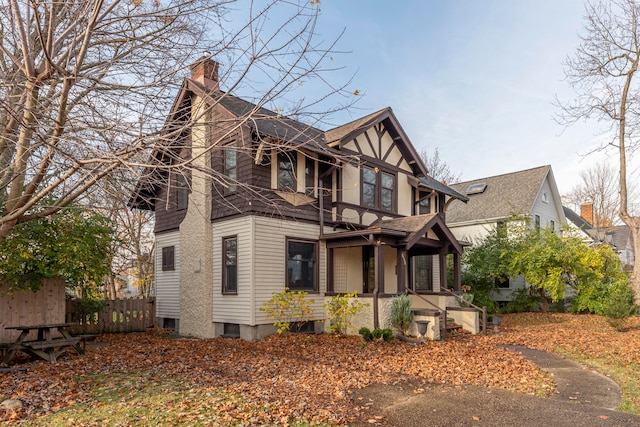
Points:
[(46, 346)]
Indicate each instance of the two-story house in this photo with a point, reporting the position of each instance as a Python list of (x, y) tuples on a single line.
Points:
[(492, 201), (248, 202)]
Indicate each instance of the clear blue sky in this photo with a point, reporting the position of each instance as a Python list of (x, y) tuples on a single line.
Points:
[(476, 79)]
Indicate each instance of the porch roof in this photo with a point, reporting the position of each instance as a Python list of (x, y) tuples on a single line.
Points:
[(407, 232)]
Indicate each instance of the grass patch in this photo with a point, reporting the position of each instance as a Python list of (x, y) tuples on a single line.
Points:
[(141, 398), (627, 376)]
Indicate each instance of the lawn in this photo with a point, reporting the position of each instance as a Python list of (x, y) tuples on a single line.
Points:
[(155, 379)]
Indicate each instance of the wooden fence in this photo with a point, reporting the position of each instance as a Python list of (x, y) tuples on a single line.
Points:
[(121, 315), (25, 307)]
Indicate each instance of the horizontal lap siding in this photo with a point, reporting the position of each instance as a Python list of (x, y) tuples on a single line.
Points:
[(270, 261), (168, 282), (233, 308)]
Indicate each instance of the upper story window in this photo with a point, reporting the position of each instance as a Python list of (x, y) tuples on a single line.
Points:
[(378, 189), (309, 176), (182, 192), (231, 169), (545, 198), (424, 206), (287, 171)]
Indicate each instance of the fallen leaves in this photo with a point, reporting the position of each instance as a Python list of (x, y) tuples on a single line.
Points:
[(282, 380)]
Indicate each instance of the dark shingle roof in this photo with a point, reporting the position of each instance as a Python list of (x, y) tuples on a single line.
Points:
[(579, 222), (505, 195)]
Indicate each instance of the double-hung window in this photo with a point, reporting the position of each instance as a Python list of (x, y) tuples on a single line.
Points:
[(302, 265), (230, 265), (378, 189)]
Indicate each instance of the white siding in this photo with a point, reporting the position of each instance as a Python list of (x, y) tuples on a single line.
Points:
[(546, 207), (270, 261), (233, 308), (167, 282)]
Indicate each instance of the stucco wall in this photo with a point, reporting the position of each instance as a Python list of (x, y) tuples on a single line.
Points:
[(195, 242)]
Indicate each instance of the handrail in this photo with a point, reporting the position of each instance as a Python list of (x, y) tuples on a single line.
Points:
[(482, 310), (411, 291), (443, 330)]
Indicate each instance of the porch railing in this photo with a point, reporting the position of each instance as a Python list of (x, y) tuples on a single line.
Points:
[(482, 310)]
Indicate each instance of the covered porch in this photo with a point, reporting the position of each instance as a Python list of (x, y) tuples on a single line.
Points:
[(385, 259)]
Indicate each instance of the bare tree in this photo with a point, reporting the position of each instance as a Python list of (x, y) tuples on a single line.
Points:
[(133, 244), (599, 185), (602, 72), (438, 168), (85, 86)]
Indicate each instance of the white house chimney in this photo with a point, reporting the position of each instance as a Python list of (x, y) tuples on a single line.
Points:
[(205, 72)]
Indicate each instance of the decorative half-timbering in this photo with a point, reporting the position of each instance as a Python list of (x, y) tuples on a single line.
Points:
[(251, 202)]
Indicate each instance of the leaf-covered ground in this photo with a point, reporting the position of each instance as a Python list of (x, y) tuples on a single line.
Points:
[(283, 380)]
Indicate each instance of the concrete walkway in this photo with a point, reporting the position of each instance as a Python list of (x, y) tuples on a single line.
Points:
[(583, 398)]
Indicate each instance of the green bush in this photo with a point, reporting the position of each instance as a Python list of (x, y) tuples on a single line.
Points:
[(620, 306), (366, 334), (522, 302), (401, 314), (385, 334)]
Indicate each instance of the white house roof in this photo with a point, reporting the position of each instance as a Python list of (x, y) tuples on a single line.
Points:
[(501, 196)]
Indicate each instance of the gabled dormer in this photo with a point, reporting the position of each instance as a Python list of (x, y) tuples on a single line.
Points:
[(386, 178)]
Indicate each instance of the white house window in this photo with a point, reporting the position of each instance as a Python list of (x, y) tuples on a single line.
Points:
[(545, 198), (536, 219), (302, 265)]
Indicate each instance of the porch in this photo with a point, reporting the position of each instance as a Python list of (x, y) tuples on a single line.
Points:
[(391, 258)]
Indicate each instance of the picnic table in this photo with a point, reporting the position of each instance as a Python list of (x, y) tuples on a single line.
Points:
[(48, 345)]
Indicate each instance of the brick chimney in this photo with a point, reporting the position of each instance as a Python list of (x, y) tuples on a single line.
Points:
[(586, 212), (205, 72)]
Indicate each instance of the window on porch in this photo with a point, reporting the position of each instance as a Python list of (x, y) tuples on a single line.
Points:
[(422, 273)]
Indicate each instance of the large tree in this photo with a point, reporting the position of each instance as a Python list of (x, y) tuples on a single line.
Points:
[(85, 86), (438, 168), (599, 186), (603, 72)]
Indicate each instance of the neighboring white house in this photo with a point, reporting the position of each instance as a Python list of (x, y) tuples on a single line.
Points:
[(492, 200)]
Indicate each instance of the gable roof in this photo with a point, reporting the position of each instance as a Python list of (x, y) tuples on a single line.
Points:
[(504, 195), (268, 123)]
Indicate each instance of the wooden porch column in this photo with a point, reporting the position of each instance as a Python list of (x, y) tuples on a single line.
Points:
[(442, 258), (330, 286), (401, 269), (378, 254), (456, 272)]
